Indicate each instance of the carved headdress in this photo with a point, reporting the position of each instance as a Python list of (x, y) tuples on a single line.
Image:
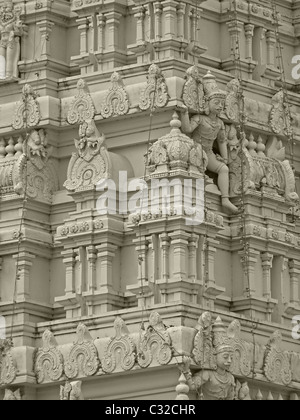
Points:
[(222, 342), (211, 89)]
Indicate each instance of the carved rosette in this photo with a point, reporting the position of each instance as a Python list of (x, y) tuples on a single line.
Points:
[(120, 351), (193, 93), (83, 358), (242, 358), (155, 343), (82, 108), (91, 163), (116, 102), (27, 113), (8, 372), (49, 360), (277, 365), (280, 119), (155, 94)]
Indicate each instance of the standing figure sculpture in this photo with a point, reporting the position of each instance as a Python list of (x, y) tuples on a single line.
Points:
[(11, 30), (206, 128)]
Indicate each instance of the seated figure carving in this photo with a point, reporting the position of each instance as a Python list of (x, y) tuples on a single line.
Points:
[(206, 128)]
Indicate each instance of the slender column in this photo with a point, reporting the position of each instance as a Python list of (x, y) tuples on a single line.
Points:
[(101, 22), (106, 253), (165, 245), (267, 262), (181, 8), (140, 24), (170, 18), (69, 261), (92, 259), (193, 243), (83, 29), (249, 32), (45, 28), (113, 22), (158, 10), (271, 43), (294, 269)]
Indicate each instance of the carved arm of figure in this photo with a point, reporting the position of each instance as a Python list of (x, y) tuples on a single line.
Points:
[(223, 149), (189, 125)]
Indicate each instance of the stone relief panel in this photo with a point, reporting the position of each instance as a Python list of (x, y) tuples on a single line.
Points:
[(116, 102), (83, 360), (49, 360), (154, 343), (27, 114), (82, 107), (8, 371), (280, 119), (120, 352), (91, 162), (155, 94), (277, 366)]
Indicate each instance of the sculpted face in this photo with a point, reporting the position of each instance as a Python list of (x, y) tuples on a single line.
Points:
[(224, 360), (216, 106)]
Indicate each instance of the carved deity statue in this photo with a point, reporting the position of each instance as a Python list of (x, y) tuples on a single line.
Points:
[(214, 353), (11, 30), (206, 128)]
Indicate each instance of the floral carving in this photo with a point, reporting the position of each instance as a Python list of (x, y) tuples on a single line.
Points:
[(120, 351), (82, 107), (49, 360), (116, 102), (155, 343), (277, 366), (27, 113), (83, 358), (280, 119), (91, 162), (8, 370), (193, 93), (71, 391), (155, 95)]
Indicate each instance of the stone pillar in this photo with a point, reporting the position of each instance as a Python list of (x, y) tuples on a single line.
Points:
[(92, 259), (113, 22), (170, 18), (249, 264), (235, 30), (101, 22), (294, 270), (140, 24), (271, 46), (83, 29), (267, 260), (69, 261), (91, 34), (24, 261), (165, 245), (45, 28), (249, 32), (192, 245), (106, 254), (158, 10), (179, 241), (181, 9)]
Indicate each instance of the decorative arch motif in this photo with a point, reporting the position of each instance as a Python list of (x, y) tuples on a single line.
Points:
[(49, 360), (83, 358), (8, 371), (277, 366), (82, 108), (116, 102), (120, 351), (27, 113), (155, 343), (155, 94)]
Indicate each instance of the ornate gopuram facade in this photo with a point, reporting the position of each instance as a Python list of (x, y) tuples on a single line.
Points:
[(149, 214)]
